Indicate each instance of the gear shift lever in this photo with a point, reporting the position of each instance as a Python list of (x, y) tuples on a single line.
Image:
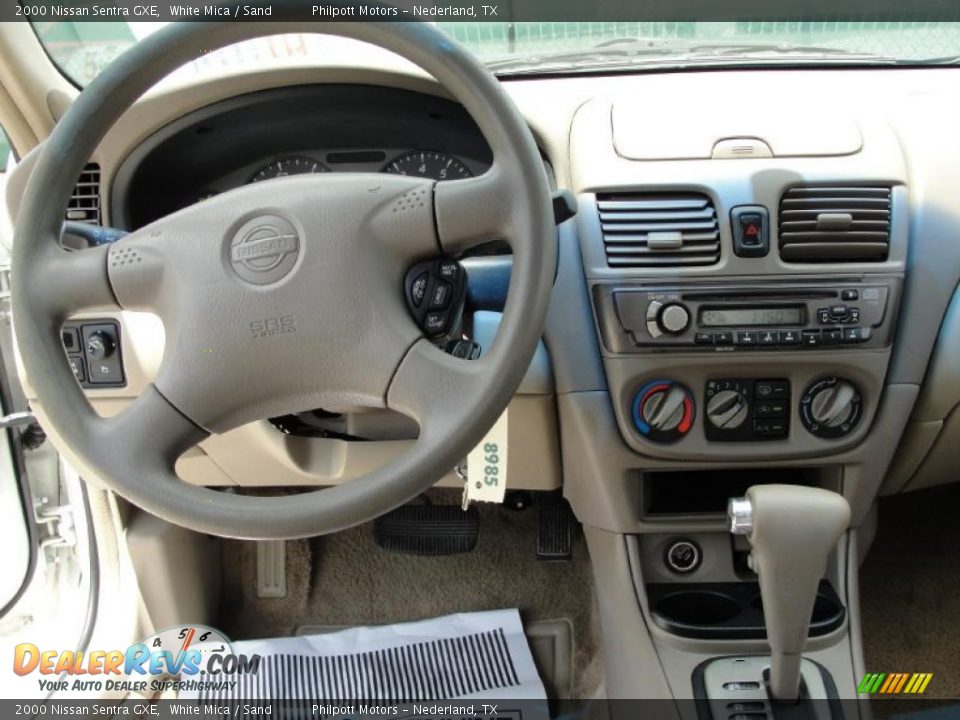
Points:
[(792, 530)]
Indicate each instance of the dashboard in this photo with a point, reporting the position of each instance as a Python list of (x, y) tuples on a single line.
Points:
[(660, 359), (288, 131)]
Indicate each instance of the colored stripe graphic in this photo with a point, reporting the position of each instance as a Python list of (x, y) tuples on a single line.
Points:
[(894, 683)]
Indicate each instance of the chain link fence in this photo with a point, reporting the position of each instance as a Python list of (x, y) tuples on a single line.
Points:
[(83, 49), (901, 40)]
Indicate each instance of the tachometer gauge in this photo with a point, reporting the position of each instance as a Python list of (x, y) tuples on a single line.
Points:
[(428, 164), (292, 165)]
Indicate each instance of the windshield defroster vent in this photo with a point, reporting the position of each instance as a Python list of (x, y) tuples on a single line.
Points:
[(835, 223), (659, 229), (84, 204)]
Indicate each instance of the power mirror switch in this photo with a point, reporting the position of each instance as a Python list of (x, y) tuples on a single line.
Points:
[(750, 225), (101, 344)]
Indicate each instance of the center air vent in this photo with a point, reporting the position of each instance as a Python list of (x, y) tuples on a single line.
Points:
[(659, 229), (85, 202), (835, 223)]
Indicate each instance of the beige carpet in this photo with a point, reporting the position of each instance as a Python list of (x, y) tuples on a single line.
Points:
[(910, 589), (345, 579)]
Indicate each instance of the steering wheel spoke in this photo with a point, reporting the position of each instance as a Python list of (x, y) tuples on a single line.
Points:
[(433, 387), (477, 210), (73, 281)]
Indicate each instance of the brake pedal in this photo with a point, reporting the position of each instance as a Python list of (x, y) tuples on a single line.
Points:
[(272, 568), (428, 530), (555, 523)]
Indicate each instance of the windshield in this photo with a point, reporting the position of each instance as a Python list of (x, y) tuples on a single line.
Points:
[(83, 49)]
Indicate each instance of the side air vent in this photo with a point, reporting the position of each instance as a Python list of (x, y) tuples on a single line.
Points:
[(659, 230), (835, 223), (85, 202)]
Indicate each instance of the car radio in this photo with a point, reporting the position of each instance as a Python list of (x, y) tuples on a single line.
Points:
[(639, 317)]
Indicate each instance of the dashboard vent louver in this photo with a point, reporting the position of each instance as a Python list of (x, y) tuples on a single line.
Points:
[(659, 229), (835, 223), (84, 204)]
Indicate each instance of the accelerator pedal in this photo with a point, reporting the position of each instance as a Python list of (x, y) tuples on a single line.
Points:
[(272, 569), (428, 530), (555, 524)]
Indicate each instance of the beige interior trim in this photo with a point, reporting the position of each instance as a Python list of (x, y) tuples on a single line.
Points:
[(28, 78)]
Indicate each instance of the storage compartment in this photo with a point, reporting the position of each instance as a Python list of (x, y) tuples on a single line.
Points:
[(730, 610), (706, 492)]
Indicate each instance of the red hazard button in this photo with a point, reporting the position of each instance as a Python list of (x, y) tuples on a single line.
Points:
[(749, 225)]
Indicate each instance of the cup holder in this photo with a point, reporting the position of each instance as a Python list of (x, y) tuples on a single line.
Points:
[(730, 610), (699, 607), (824, 608)]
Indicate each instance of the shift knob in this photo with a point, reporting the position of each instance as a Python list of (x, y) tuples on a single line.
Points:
[(792, 531)]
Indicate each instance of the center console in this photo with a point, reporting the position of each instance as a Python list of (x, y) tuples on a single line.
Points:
[(746, 313)]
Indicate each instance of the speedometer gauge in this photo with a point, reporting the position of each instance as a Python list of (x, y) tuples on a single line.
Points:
[(428, 164), (292, 165)]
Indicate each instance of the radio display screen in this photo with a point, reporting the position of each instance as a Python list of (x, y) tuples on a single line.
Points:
[(751, 317)]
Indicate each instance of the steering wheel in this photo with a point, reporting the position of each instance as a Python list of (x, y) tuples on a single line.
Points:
[(328, 270)]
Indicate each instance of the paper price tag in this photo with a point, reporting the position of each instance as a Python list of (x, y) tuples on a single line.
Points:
[(487, 465)]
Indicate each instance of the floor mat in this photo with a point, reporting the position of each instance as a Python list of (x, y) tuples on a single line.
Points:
[(476, 656), (345, 579), (910, 589)]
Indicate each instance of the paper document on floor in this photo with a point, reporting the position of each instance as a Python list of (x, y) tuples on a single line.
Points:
[(470, 656)]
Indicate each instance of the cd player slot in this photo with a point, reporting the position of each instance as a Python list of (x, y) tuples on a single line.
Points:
[(754, 295)]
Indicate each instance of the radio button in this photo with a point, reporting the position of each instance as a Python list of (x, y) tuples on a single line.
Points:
[(810, 338), (769, 337), (823, 316), (849, 295), (839, 312), (653, 309), (746, 337), (654, 329), (723, 337), (854, 316), (703, 338), (856, 335), (789, 337), (832, 337)]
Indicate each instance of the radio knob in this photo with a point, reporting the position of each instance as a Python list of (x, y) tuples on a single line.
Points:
[(727, 409), (663, 410), (674, 318), (831, 407)]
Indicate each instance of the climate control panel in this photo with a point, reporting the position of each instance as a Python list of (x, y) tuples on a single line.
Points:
[(746, 410)]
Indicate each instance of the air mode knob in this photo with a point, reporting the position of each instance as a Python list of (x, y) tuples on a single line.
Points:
[(663, 410), (831, 407)]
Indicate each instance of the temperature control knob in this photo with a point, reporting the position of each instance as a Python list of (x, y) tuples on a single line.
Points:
[(831, 407), (674, 318), (727, 409), (663, 411)]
